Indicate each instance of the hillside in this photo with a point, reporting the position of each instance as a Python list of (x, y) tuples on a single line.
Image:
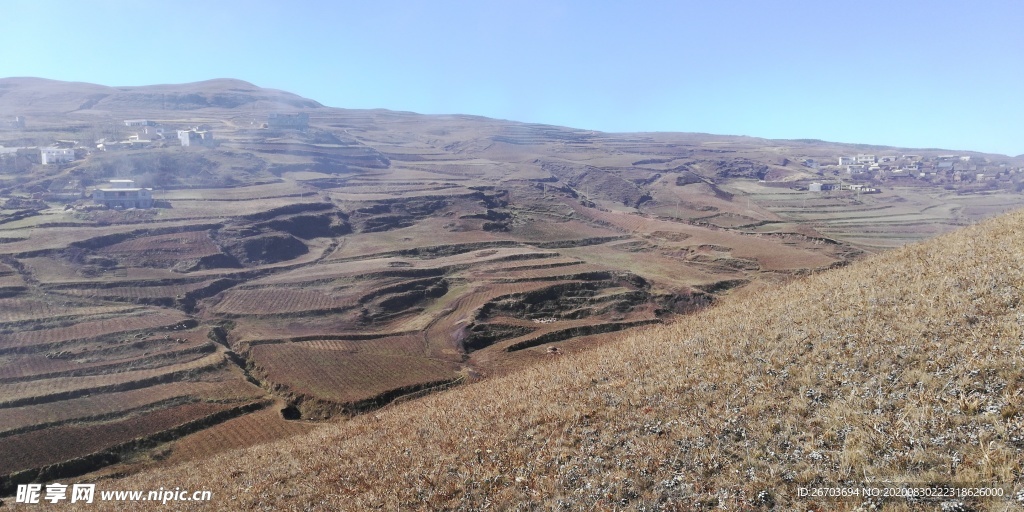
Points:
[(904, 367), (39, 96), (301, 262)]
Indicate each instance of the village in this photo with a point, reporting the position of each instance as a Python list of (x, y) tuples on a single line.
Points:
[(860, 173), (866, 172), (137, 134)]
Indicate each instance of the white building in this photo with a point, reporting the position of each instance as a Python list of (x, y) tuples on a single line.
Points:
[(814, 187), (866, 159), (154, 132), (123, 194), (195, 137), (49, 156), (137, 122)]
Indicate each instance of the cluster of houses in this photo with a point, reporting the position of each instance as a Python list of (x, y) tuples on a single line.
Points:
[(150, 134), (122, 194), (856, 187), (940, 169), (145, 133), (61, 153)]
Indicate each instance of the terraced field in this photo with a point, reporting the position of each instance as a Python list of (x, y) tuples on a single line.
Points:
[(895, 217), (289, 275)]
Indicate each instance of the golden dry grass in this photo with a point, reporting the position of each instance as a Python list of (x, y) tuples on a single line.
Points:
[(906, 366)]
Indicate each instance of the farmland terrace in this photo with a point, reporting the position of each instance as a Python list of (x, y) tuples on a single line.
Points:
[(290, 275)]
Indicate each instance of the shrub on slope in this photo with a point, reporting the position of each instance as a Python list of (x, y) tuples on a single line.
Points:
[(906, 366)]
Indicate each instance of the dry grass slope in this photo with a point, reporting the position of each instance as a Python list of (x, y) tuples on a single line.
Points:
[(906, 366)]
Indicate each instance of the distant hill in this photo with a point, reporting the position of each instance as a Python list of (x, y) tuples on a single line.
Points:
[(39, 95), (902, 368)]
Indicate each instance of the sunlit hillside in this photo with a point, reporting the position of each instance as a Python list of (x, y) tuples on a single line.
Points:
[(902, 368), (905, 367)]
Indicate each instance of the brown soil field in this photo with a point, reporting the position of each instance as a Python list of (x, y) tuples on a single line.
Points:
[(14, 312), (252, 429), (37, 366), (343, 376), (134, 293), (162, 251), (280, 301), (143, 320), (51, 389), (119, 403), (57, 444)]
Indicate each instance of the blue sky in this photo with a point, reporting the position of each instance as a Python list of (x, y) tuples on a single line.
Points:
[(938, 73)]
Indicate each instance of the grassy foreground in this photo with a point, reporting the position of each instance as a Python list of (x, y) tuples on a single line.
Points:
[(904, 367)]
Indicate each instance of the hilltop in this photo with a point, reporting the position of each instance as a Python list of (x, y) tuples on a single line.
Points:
[(39, 96), (904, 367)]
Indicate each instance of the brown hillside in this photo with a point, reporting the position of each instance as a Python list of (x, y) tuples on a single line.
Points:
[(39, 95), (905, 367)]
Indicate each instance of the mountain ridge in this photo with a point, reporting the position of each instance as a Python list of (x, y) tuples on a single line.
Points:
[(45, 96), (56, 97)]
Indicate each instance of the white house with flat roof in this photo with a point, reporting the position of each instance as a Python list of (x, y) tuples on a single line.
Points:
[(56, 155), (195, 137), (123, 194)]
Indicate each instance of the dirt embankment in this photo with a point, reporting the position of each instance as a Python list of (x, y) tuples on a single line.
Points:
[(94, 461), (401, 298), (263, 249), (396, 213), (597, 183), (303, 406), (574, 332), (604, 293)]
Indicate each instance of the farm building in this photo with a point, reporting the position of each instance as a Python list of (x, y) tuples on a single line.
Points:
[(138, 122), (56, 155), (151, 132), (195, 137), (814, 187), (123, 194), (298, 121), (863, 189)]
